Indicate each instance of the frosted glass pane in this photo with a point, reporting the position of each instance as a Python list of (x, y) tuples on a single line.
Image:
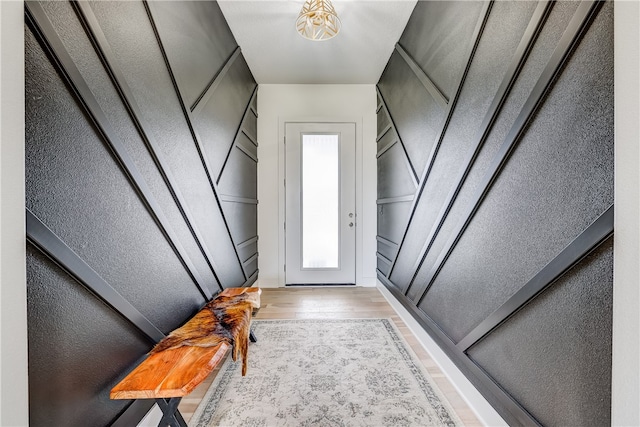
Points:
[(320, 201)]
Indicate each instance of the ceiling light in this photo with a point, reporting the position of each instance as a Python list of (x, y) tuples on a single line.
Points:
[(318, 20)]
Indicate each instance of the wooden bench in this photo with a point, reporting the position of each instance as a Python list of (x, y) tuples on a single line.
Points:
[(171, 373)]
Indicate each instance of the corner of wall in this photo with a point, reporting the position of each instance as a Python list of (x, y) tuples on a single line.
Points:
[(478, 404), (13, 332)]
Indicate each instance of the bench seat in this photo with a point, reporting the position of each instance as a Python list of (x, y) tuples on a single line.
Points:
[(172, 373)]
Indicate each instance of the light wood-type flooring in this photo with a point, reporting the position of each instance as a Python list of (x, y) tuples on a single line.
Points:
[(331, 302)]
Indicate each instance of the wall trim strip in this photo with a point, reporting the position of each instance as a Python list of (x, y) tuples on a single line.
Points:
[(519, 58), (408, 198), (588, 241), (516, 414), (390, 144), (247, 242), (194, 133), (477, 35), (428, 84), (579, 22), (66, 67), (383, 131), (204, 97), (383, 258), (250, 137), (58, 251), (246, 152), (105, 53), (236, 199), (386, 242)]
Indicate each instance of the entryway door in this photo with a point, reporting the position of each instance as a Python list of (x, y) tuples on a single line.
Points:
[(320, 198)]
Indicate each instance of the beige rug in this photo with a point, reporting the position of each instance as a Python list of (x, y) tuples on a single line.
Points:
[(352, 372)]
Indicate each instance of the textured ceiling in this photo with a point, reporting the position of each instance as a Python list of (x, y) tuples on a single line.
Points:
[(276, 53)]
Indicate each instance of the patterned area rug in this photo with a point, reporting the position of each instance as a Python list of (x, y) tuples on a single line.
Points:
[(355, 372)]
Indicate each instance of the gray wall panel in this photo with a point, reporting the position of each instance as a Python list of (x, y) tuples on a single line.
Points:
[(392, 218), (382, 121), (247, 251), (387, 250), (547, 192), (250, 124), (75, 186), (69, 362), (555, 370), (505, 27), (540, 54), (570, 140), (78, 346), (417, 117), (394, 175), (242, 220), (198, 42), (161, 109), (240, 177), (218, 122), (129, 15), (438, 36)]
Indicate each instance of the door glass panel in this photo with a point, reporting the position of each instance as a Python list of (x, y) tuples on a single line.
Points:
[(320, 201)]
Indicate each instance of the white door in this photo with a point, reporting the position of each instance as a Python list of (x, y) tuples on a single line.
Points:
[(320, 203)]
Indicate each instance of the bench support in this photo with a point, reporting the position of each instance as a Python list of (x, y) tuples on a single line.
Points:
[(170, 415)]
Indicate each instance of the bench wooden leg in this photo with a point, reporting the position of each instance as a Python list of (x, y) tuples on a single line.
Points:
[(252, 337), (170, 415)]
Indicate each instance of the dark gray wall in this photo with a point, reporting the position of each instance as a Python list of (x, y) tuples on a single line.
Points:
[(140, 190), (495, 198)]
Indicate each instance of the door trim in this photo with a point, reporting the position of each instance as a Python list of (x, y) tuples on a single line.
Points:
[(281, 190)]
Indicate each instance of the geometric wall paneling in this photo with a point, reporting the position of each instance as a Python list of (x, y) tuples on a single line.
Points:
[(572, 144), (225, 252), (394, 176), (121, 197), (580, 21), (409, 244), (518, 59), (238, 187), (548, 37), (217, 116), (392, 218), (70, 369), (245, 140), (438, 35), (582, 246), (49, 198), (557, 372), (49, 244), (424, 79), (198, 42), (145, 128), (415, 114), (510, 410), (512, 276)]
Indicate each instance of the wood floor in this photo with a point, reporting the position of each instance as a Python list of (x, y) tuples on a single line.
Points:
[(338, 303)]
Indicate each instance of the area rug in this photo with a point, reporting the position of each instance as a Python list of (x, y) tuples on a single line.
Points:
[(352, 372)]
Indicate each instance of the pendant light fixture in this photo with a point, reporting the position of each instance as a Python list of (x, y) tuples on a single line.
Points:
[(318, 20)]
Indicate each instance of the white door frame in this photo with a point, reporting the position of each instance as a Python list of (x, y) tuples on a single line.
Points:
[(281, 189), (345, 272)]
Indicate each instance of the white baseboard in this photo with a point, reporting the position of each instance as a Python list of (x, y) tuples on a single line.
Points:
[(478, 404)]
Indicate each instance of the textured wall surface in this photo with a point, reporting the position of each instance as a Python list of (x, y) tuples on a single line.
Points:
[(147, 198), (513, 167)]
